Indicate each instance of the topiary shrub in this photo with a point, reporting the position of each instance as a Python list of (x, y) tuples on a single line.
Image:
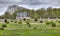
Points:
[(11, 21), (24, 19), (4, 25), (41, 21), (53, 25), (29, 25), (27, 22), (35, 28), (15, 22), (35, 19), (20, 22), (5, 20), (48, 23), (59, 21)]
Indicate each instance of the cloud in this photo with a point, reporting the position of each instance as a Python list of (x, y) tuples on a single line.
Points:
[(31, 4)]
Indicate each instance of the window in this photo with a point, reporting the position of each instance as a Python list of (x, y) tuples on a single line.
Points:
[(22, 15)]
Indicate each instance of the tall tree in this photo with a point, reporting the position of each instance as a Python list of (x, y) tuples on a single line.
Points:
[(41, 12), (49, 10), (14, 15), (6, 15)]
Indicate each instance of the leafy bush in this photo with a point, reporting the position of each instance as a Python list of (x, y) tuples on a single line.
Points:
[(27, 22), (20, 22), (48, 23), (11, 21), (24, 19), (35, 28), (59, 21), (4, 25), (5, 20), (15, 22), (53, 25), (41, 21), (29, 25), (35, 19)]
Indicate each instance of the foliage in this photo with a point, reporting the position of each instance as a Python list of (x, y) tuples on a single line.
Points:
[(53, 25), (6, 15), (15, 22), (35, 19), (5, 20), (49, 23), (36, 15), (35, 28), (11, 21), (59, 21), (20, 22), (29, 25), (14, 15), (24, 19), (50, 12), (41, 21), (4, 25), (27, 22)]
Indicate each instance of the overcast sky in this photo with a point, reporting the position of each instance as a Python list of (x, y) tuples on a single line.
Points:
[(31, 4)]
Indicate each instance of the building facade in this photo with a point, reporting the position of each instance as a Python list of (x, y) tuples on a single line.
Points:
[(22, 15)]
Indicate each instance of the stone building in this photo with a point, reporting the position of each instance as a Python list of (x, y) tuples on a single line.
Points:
[(22, 15)]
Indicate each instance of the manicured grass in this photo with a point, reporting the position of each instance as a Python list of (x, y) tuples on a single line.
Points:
[(31, 32), (26, 32), (24, 25)]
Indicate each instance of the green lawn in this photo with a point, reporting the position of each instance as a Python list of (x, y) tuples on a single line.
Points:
[(44, 30), (26, 32)]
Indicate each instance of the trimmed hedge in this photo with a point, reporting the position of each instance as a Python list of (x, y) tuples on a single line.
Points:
[(24, 19), (48, 23), (15, 22), (5, 20), (11, 21), (4, 25), (41, 21), (35, 19), (53, 25), (20, 22), (35, 28), (59, 21)]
